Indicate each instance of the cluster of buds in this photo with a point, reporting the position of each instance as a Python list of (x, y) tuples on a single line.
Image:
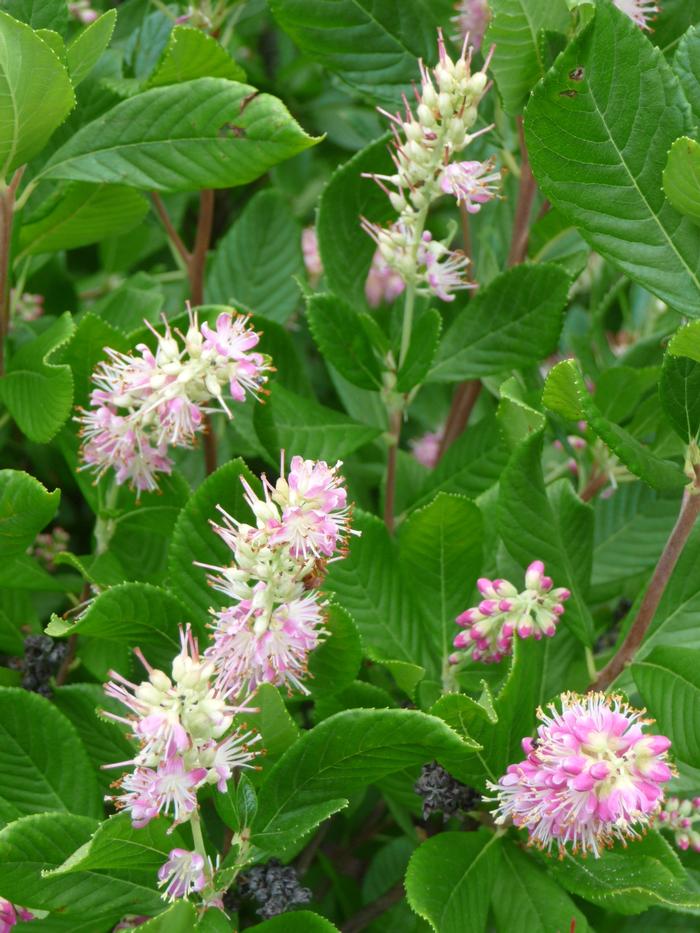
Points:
[(641, 12), (681, 817), (383, 284), (425, 149), (504, 612), (426, 449), (145, 403), (48, 545), (182, 724), (471, 20), (83, 12), (590, 777), (10, 915), (25, 306), (301, 523)]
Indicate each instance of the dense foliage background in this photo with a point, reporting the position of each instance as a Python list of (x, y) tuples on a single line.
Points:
[(154, 154)]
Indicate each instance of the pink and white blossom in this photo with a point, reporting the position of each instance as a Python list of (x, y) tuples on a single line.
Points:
[(183, 874), (471, 183), (504, 612), (641, 12), (10, 915), (384, 284), (426, 448), (471, 21), (591, 776), (312, 255)]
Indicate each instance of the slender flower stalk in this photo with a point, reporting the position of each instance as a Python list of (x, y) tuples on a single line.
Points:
[(590, 777), (144, 404)]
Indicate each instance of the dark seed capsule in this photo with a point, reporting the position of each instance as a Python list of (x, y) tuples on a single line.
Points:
[(442, 793), (275, 888)]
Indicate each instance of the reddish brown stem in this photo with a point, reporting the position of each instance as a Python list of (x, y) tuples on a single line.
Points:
[(172, 233), (463, 403), (690, 509), (64, 669), (390, 491), (364, 917), (198, 258), (7, 207), (523, 209), (597, 482)]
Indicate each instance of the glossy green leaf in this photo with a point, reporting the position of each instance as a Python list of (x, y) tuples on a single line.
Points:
[(43, 765), (192, 53), (289, 422), (25, 508), (685, 63), (679, 389), (339, 334), (239, 804), (81, 214), (85, 50), (31, 375), (36, 95), (207, 133), (373, 45), (335, 663), (596, 159), (512, 322), (254, 265), (682, 177), (686, 342), (180, 917), (39, 14), (298, 921), (565, 392), (450, 878), (515, 30), (669, 682)]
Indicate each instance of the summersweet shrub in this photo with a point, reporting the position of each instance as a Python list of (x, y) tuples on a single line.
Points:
[(350, 405)]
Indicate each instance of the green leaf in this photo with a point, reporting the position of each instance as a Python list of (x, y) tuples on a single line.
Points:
[(532, 529), (191, 53), (291, 828), (180, 917), (254, 265), (682, 177), (86, 49), (55, 43), (440, 547), (103, 740), (137, 299), (135, 614), (43, 765), (238, 805), (298, 921), (339, 334), (39, 14), (471, 464), (335, 663), (290, 422), (371, 586), (207, 133), (628, 880), (346, 250), (565, 392), (34, 845), (686, 342), (344, 754), (421, 351), (450, 878), (679, 389), (31, 375), (36, 95), (515, 31), (273, 722), (626, 88), (516, 416), (25, 508), (527, 900), (669, 682), (685, 65), (373, 45), (81, 214), (511, 323), (193, 538)]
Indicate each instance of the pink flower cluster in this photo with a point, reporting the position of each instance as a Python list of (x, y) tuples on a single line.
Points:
[(301, 523), (10, 915), (184, 873), (426, 146), (681, 817), (426, 449), (471, 21), (590, 776), (504, 612), (145, 403), (639, 11), (182, 725)]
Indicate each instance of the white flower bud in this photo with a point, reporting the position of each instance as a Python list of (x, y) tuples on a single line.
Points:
[(477, 83)]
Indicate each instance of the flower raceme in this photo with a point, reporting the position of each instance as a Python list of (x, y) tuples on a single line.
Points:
[(425, 153), (682, 817), (590, 776), (146, 402), (504, 612), (277, 616), (182, 725)]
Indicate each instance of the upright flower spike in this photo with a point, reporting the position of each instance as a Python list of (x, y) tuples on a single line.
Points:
[(682, 818), (591, 776), (181, 724), (426, 143), (145, 403), (641, 12), (277, 617), (504, 612)]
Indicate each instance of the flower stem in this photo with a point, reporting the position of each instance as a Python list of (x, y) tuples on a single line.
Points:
[(690, 509), (526, 196), (390, 492), (7, 207)]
